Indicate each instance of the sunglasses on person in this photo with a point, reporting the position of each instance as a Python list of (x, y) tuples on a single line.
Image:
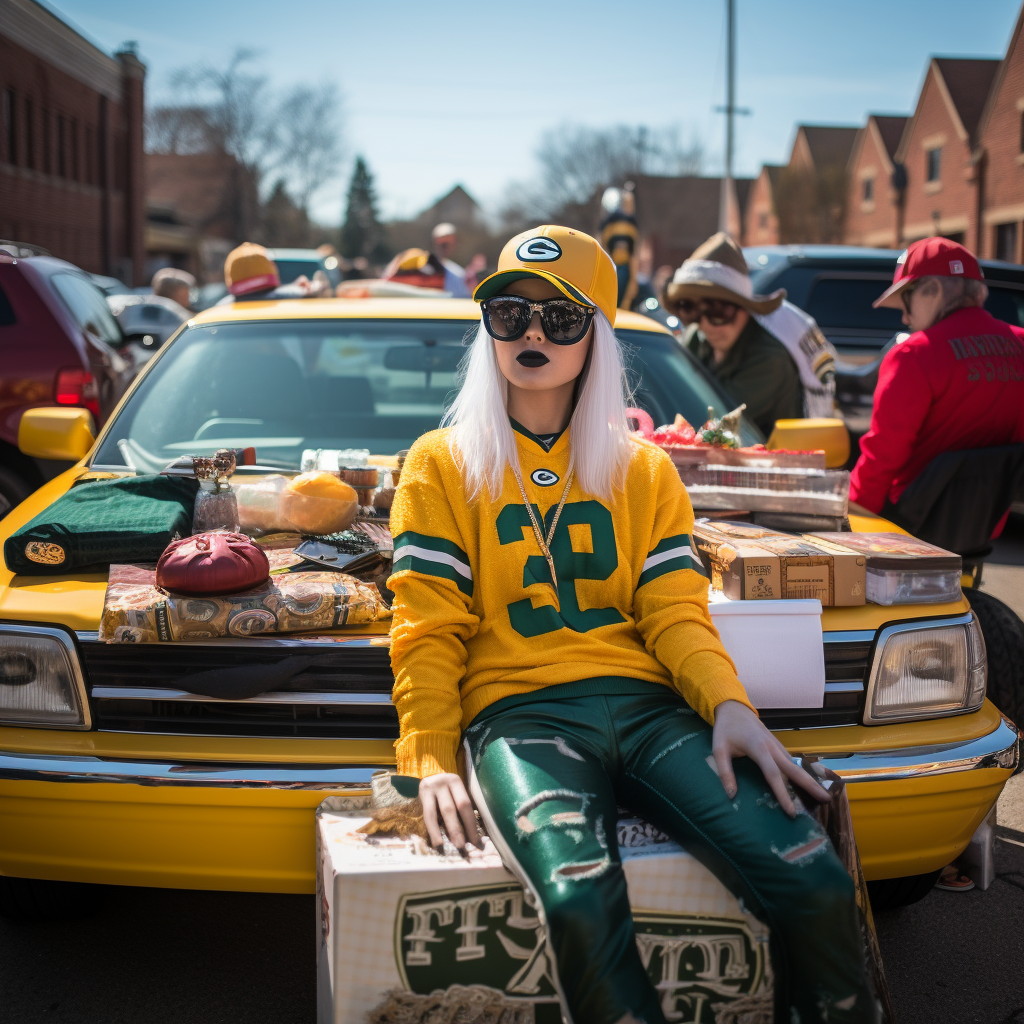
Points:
[(507, 317), (905, 296), (717, 312)]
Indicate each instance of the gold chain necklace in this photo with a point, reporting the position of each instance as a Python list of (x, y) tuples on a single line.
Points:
[(544, 543)]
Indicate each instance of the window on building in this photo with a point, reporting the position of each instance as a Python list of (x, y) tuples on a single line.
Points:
[(30, 141), (73, 147), (867, 190), (88, 173), (1021, 139), (762, 219), (46, 131), (1006, 242), (933, 159), (11, 125), (62, 146)]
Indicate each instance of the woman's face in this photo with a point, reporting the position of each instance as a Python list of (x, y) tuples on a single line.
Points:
[(533, 363)]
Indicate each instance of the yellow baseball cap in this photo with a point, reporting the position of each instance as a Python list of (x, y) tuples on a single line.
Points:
[(570, 260), (250, 269)]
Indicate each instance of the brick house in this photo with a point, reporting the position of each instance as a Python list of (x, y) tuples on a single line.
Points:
[(71, 137), (1001, 157), (811, 191), (760, 221), (199, 206), (874, 204), (937, 150)]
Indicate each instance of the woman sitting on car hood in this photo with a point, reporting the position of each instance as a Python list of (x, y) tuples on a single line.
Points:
[(551, 617)]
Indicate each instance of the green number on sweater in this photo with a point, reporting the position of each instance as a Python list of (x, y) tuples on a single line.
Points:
[(598, 564)]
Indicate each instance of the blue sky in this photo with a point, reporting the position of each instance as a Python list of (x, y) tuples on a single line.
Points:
[(439, 93)]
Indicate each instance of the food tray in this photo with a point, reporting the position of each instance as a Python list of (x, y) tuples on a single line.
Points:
[(819, 492)]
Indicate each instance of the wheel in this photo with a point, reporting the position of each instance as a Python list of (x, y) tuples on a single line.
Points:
[(890, 893), (1004, 643), (13, 490), (34, 899)]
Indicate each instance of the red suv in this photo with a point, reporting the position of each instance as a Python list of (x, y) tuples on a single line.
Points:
[(59, 345)]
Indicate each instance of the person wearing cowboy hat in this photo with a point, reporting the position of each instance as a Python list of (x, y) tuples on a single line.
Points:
[(712, 294)]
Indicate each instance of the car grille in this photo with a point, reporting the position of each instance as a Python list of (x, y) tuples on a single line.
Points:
[(343, 693), (846, 671)]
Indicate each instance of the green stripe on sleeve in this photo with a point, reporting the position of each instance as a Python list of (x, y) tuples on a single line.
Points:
[(423, 540), (442, 570)]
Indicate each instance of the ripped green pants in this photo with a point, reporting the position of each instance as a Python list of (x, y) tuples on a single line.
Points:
[(548, 774)]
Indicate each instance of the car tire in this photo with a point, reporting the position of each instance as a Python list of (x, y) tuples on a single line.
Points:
[(33, 899), (890, 893), (1004, 644), (13, 490)]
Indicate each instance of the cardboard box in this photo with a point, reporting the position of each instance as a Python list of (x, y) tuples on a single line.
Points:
[(406, 934), (749, 562)]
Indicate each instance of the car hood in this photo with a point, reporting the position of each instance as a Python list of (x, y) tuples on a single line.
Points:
[(76, 600)]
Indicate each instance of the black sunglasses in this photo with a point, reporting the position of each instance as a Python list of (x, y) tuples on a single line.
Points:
[(506, 318), (717, 312)]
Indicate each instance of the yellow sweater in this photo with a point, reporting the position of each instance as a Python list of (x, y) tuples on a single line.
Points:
[(474, 613)]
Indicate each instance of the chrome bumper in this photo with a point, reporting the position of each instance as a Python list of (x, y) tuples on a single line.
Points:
[(999, 749)]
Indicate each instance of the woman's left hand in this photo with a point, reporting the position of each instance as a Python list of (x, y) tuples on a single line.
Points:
[(738, 732)]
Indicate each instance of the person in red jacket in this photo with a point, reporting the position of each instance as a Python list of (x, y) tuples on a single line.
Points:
[(956, 382)]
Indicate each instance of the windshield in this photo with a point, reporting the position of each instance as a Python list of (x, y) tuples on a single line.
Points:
[(291, 270), (286, 386)]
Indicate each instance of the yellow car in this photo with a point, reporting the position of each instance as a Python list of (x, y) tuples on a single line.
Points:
[(111, 772)]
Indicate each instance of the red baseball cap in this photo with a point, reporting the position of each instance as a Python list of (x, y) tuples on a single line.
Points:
[(930, 257)]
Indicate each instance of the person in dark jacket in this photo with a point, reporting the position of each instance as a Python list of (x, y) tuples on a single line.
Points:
[(712, 294), (956, 383)]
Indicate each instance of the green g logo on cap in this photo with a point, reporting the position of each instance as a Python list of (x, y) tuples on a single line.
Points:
[(538, 250)]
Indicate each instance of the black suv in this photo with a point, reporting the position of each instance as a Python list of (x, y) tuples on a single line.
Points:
[(836, 284)]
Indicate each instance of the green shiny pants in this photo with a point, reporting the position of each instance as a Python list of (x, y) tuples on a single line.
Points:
[(550, 774)]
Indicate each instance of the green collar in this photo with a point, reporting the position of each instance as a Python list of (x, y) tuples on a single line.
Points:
[(545, 445)]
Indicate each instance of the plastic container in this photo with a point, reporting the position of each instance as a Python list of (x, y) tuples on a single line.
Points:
[(912, 586), (818, 492), (901, 569)]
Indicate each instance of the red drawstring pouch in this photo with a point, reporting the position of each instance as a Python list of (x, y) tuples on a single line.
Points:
[(212, 563)]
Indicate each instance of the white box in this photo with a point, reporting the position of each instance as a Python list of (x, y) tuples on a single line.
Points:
[(403, 929), (778, 649)]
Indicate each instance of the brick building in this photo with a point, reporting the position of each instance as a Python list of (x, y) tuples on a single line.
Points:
[(1001, 157), (71, 144), (760, 221), (810, 194), (874, 205), (937, 150), (199, 206)]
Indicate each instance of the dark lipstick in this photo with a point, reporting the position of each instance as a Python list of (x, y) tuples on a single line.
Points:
[(531, 358)]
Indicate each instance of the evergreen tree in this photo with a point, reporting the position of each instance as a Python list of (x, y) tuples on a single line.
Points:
[(362, 234)]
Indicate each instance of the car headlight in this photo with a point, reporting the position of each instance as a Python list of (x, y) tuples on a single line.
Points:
[(926, 670), (41, 681)]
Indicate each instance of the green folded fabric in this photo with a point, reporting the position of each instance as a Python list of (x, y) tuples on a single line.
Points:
[(130, 519)]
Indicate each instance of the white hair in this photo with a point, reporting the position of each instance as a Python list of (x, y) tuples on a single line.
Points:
[(482, 441)]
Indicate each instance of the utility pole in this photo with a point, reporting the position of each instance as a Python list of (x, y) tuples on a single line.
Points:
[(730, 108)]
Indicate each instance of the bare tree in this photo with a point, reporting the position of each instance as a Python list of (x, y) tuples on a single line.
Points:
[(309, 139), (178, 130), (576, 160), (236, 106)]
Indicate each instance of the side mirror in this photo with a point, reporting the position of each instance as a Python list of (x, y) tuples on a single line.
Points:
[(812, 434), (54, 433)]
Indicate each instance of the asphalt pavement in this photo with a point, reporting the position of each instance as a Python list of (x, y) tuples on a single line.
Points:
[(155, 956)]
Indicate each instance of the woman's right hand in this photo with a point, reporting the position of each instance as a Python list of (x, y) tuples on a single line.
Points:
[(444, 799)]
